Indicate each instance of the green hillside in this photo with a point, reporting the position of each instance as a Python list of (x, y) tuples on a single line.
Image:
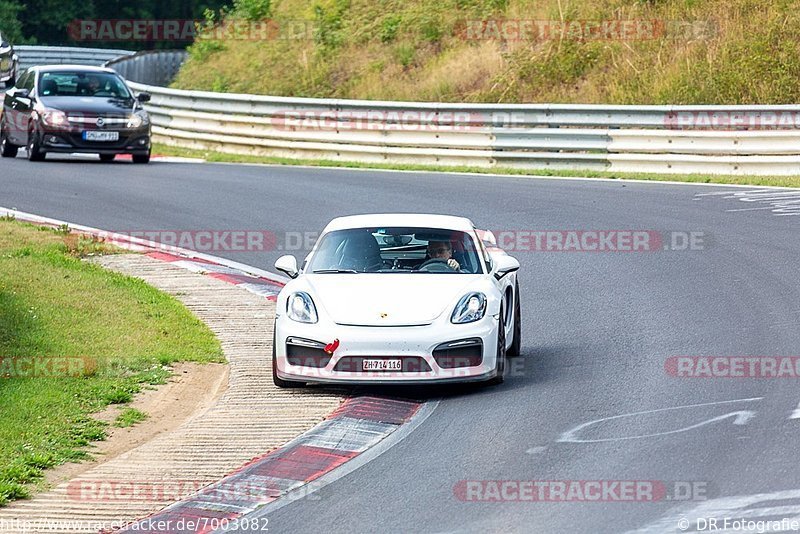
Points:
[(657, 51)]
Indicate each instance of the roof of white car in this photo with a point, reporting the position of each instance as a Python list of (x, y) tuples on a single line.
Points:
[(79, 68), (417, 220)]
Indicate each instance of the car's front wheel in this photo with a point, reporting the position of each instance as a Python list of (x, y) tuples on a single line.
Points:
[(35, 152), (141, 158), (7, 150), (500, 366)]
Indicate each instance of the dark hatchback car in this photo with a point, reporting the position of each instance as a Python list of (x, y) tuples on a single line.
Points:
[(69, 109), (9, 62)]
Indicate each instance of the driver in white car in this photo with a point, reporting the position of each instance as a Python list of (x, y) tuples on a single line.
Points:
[(443, 250)]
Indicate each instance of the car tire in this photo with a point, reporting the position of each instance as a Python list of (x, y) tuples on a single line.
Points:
[(516, 343), (7, 150), (35, 152), (500, 366), (107, 158), (281, 383), (141, 158)]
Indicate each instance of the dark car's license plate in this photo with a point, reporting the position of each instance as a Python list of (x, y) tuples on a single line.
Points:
[(100, 136)]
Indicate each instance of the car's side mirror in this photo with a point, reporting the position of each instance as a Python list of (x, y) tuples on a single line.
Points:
[(143, 97), (287, 264), (503, 264)]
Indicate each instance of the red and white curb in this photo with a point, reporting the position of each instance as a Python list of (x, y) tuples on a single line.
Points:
[(358, 425), (254, 284), (255, 280)]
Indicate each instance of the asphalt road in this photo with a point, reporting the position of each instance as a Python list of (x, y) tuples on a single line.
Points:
[(598, 328)]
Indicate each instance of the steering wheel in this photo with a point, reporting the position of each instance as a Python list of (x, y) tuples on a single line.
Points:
[(435, 265)]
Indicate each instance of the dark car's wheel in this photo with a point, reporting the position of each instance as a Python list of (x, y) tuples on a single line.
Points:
[(516, 343), (7, 150), (500, 366), (107, 158), (141, 158), (35, 152), (281, 383)]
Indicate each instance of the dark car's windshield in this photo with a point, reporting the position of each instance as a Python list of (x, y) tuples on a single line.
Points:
[(396, 250), (82, 83)]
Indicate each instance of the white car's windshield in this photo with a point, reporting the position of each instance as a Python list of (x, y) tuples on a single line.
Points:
[(396, 250)]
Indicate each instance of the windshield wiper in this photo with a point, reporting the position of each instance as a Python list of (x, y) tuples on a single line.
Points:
[(327, 271)]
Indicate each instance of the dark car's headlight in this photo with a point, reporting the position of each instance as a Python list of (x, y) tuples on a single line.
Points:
[(138, 118), (54, 117), (300, 308), (470, 308)]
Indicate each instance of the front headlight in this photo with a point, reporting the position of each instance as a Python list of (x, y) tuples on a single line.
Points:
[(138, 118), (470, 308), (54, 117), (300, 308)]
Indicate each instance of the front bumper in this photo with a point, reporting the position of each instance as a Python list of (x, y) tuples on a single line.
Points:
[(70, 140), (407, 343)]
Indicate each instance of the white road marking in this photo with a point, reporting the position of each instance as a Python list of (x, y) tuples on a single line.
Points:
[(740, 418), (536, 450), (795, 413), (780, 202)]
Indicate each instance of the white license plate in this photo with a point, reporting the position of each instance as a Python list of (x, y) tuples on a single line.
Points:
[(382, 365), (100, 136)]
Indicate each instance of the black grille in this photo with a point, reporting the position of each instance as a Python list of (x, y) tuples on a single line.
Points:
[(456, 354), (307, 356)]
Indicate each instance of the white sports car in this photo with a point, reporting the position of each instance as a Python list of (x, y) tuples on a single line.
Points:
[(397, 298)]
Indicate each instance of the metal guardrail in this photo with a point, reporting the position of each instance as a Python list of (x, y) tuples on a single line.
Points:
[(30, 56), (663, 139), (156, 67)]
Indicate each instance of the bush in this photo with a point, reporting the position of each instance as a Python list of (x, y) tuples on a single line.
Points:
[(253, 9)]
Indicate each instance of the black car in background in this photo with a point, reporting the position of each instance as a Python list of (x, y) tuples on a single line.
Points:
[(9, 63), (71, 108)]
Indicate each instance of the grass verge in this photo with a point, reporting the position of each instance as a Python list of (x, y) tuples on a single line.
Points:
[(221, 157), (129, 417), (56, 308)]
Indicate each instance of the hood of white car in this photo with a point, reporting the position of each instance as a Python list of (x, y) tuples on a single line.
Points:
[(387, 299)]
